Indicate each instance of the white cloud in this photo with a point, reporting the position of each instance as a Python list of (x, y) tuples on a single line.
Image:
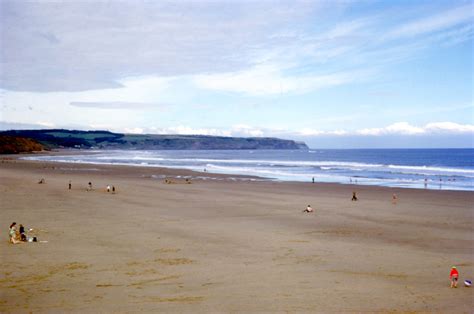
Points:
[(86, 45), (134, 130), (245, 130), (449, 127), (404, 128), (400, 128), (45, 124), (314, 132), (264, 80)]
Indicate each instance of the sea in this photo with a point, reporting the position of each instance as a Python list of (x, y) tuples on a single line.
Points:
[(446, 169)]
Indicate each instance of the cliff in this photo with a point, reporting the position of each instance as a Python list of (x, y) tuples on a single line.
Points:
[(60, 138), (15, 145)]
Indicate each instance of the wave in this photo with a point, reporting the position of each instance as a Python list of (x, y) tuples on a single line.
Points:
[(322, 165), (434, 169), (285, 167)]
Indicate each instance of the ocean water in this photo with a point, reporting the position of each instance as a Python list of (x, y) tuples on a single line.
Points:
[(447, 169)]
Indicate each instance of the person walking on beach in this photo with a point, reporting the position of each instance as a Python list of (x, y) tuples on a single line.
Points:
[(70, 184), (308, 209), (354, 196), (313, 179), (394, 199), (113, 189), (89, 187), (108, 188), (454, 275)]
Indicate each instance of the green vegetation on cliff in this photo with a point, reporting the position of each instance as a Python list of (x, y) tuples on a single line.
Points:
[(59, 138)]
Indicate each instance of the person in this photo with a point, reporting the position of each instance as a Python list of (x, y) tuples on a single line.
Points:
[(41, 181), (454, 275), (354, 196), (89, 188), (14, 234), (113, 189), (308, 209), (70, 184), (313, 179), (394, 198), (22, 233), (108, 188)]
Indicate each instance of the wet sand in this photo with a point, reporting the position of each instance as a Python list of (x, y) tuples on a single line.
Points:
[(225, 244)]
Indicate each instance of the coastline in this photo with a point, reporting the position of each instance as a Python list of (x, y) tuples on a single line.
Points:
[(383, 173), (227, 244)]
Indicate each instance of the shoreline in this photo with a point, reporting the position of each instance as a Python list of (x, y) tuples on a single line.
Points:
[(432, 185)]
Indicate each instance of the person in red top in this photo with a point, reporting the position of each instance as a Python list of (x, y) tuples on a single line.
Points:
[(454, 275)]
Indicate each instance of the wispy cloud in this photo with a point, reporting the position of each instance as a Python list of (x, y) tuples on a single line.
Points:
[(113, 105), (440, 21)]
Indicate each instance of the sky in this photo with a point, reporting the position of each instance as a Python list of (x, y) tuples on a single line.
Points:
[(334, 74)]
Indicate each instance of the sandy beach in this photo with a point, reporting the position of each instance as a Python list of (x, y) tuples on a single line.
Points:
[(227, 244)]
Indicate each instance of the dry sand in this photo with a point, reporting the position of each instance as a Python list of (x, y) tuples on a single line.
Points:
[(220, 245)]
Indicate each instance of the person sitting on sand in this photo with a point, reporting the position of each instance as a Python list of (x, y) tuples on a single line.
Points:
[(454, 275), (22, 233), (308, 209), (354, 196), (14, 236)]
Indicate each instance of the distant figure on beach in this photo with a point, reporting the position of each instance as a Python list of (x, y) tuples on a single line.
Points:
[(394, 198), (89, 186), (313, 179), (108, 188), (14, 235), (354, 196), (113, 189), (188, 181), (308, 209), (42, 181), (453, 276), (426, 183), (70, 184)]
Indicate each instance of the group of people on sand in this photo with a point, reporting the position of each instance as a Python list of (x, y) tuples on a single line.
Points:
[(109, 188), (169, 181), (354, 198), (18, 234)]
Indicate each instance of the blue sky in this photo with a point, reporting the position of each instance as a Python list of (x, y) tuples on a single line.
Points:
[(333, 74)]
